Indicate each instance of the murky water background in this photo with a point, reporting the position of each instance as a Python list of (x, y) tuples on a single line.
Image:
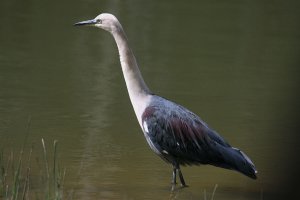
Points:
[(235, 63)]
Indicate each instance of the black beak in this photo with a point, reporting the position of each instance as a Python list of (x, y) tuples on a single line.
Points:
[(87, 22)]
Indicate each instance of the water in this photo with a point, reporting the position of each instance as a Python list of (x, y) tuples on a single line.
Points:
[(234, 63)]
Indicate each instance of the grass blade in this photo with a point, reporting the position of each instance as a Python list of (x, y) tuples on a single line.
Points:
[(47, 170), (214, 191)]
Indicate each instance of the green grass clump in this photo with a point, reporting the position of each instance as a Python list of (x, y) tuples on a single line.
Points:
[(16, 180)]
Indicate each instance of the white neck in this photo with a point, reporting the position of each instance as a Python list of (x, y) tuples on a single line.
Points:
[(139, 93)]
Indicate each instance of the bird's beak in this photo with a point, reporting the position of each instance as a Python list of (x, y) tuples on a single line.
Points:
[(87, 22)]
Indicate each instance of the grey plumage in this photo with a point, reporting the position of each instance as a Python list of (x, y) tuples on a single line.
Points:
[(181, 138)]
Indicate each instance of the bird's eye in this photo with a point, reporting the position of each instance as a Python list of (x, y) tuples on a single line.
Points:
[(99, 21)]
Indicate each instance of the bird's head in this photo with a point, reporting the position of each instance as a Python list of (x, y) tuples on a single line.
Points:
[(104, 21)]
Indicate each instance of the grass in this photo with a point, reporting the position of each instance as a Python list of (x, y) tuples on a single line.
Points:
[(15, 176), (212, 195)]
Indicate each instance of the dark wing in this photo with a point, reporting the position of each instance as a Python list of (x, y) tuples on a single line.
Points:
[(180, 136)]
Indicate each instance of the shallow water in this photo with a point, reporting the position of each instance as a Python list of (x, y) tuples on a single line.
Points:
[(236, 64)]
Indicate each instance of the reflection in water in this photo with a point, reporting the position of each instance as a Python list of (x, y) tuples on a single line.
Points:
[(98, 148), (233, 63)]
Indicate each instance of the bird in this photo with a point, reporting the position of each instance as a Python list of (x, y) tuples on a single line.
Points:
[(173, 132)]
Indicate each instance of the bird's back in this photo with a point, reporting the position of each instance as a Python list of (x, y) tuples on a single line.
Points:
[(179, 136)]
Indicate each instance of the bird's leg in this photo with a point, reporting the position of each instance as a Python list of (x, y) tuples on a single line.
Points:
[(181, 178), (174, 175), (176, 168)]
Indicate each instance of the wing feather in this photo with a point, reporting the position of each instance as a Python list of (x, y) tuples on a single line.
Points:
[(181, 134), (181, 137)]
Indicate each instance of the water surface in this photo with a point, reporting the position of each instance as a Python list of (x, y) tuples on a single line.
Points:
[(235, 63)]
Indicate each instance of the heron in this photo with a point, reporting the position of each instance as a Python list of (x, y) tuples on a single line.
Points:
[(173, 132)]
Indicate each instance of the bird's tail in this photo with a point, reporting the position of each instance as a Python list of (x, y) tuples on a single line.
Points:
[(237, 160)]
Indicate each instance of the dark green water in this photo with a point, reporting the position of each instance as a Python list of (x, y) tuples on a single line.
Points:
[(235, 63)]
